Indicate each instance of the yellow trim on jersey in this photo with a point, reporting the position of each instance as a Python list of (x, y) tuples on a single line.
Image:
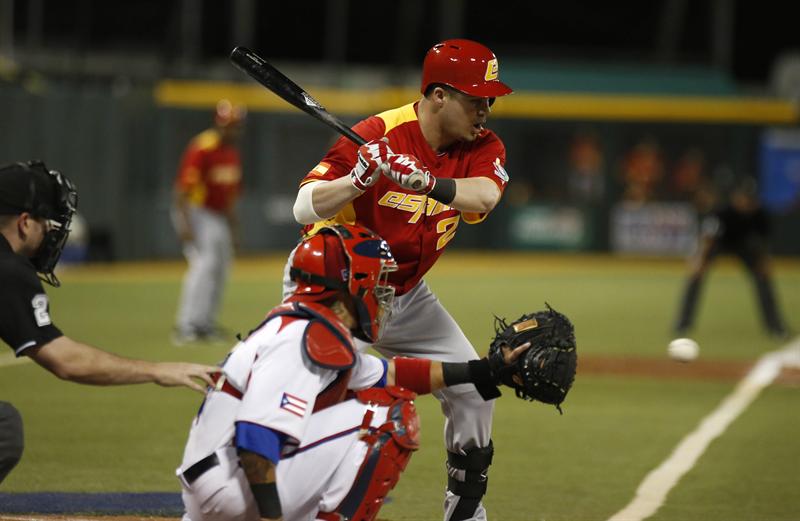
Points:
[(473, 217), (197, 194), (396, 117), (192, 186), (305, 181), (207, 140), (346, 215)]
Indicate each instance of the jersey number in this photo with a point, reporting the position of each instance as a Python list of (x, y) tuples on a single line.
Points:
[(447, 227), (39, 304), (416, 204)]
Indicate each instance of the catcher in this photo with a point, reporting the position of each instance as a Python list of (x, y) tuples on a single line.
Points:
[(280, 436)]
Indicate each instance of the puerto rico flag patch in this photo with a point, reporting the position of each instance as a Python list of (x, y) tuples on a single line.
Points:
[(293, 404)]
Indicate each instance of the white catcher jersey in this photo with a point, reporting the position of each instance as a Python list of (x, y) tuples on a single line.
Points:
[(279, 386)]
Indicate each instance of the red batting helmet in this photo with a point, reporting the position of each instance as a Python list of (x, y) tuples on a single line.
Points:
[(352, 259), (466, 66)]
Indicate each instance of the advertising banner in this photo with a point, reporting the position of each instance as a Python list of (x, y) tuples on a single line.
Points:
[(780, 169), (550, 227), (653, 228)]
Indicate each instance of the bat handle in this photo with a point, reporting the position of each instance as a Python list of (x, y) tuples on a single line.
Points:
[(417, 180)]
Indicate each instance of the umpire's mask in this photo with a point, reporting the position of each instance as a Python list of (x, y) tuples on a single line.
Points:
[(31, 187)]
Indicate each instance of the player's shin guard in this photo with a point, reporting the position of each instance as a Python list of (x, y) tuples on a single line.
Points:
[(390, 448), (467, 479)]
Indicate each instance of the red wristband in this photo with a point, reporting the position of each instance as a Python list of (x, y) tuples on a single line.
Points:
[(413, 373)]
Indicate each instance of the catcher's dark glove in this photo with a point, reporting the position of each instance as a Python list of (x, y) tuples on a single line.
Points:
[(545, 372)]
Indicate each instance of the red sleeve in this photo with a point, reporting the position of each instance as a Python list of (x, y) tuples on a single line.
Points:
[(342, 156), (489, 159), (191, 168)]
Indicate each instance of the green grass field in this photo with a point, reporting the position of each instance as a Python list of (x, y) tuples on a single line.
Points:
[(585, 465)]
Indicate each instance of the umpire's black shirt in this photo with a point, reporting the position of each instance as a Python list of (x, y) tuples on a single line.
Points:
[(24, 308), (738, 228)]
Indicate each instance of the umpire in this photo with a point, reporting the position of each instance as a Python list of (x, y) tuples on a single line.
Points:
[(36, 208), (740, 227)]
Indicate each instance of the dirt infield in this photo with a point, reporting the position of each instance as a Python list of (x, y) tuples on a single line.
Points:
[(718, 370)]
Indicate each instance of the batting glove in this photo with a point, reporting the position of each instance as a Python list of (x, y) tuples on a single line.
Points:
[(372, 160), (408, 172)]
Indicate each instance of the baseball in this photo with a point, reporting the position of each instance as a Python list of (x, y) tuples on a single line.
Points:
[(683, 349)]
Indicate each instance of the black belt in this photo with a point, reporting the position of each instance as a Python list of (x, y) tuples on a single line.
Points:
[(198, 469)]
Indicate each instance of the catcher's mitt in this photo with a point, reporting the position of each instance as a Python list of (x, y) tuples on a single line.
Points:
[(545, 371)]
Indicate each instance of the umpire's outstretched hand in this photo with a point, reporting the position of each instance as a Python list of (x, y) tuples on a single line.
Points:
[(171, 374)]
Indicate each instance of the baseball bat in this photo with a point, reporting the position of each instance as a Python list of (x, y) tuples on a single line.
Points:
[(267, 75)]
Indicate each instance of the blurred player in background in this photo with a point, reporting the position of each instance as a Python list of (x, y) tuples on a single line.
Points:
[(739, 227), (36, 207), (442, 137), (206, 191), (301, 425)]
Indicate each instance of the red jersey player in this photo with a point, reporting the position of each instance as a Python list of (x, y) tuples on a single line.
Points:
[(443, 136), (206, 190)]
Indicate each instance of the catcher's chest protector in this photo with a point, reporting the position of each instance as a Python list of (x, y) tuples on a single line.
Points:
[(390, 448), (326, 342)]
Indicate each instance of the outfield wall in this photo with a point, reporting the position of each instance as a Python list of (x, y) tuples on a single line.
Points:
[(121, 144)]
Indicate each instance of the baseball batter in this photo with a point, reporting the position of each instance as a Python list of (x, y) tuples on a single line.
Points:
[(442, 136), (280, 435), (206, 191)]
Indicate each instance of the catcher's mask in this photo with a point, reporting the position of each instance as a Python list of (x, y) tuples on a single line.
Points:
[(31, 187), (350, 259)]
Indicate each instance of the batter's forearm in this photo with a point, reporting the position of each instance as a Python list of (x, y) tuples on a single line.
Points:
[(475, 194), (328, 198)]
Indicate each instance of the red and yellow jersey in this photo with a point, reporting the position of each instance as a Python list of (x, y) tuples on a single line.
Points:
[(416, 227), (210, 173)]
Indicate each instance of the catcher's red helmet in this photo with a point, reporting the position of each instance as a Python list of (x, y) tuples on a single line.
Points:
[(464, 65), (352, 259)]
